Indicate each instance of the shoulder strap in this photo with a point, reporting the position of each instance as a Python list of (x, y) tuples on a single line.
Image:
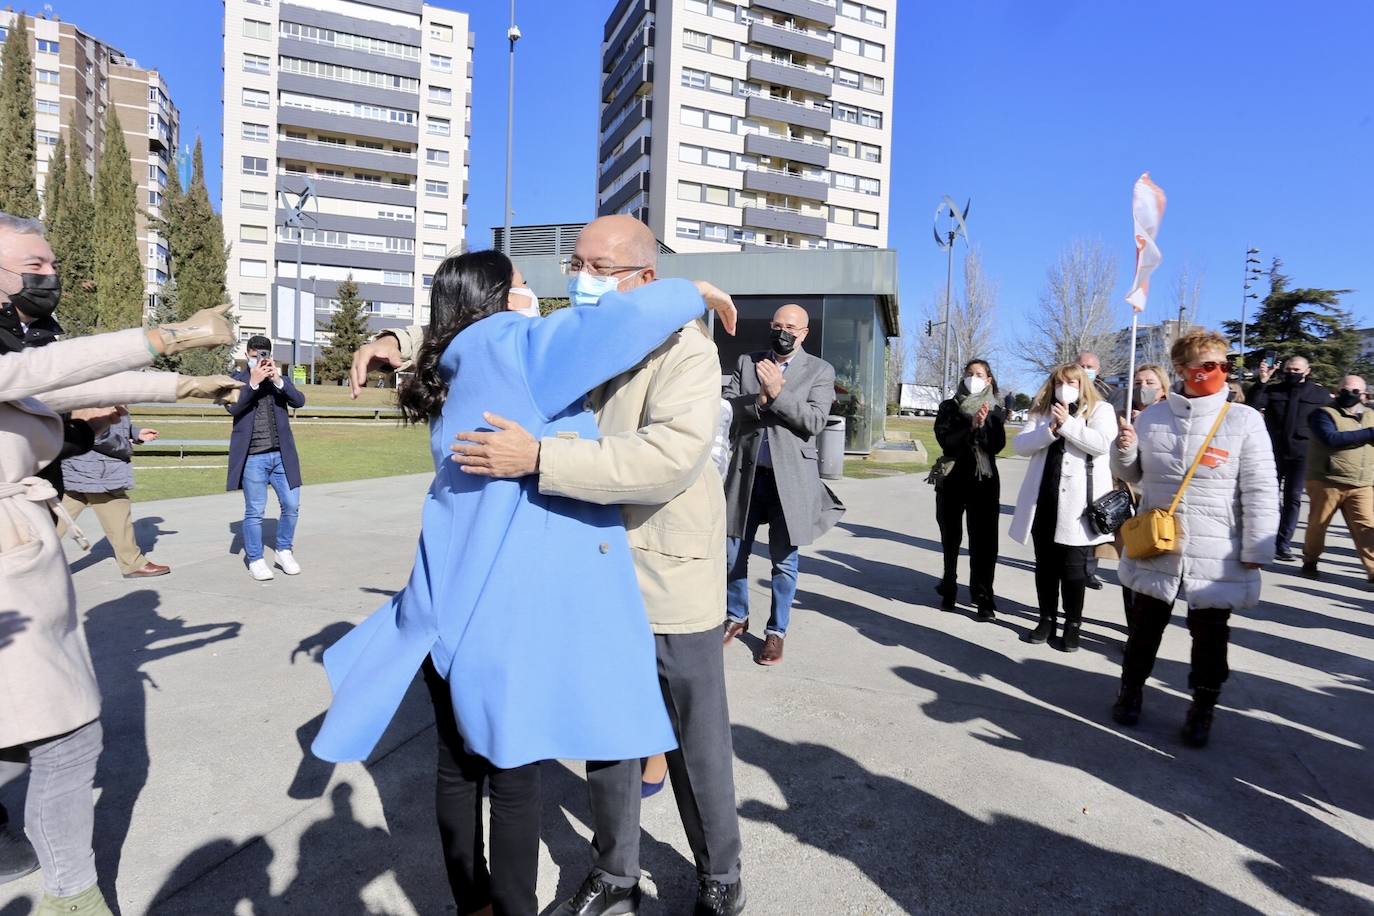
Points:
[(1187, 478)]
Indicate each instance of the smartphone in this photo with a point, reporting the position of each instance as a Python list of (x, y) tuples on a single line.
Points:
[(1270, 357)]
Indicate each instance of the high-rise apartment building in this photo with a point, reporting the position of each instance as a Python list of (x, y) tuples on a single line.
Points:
[(369, 100), (749, 123), (76, 77)]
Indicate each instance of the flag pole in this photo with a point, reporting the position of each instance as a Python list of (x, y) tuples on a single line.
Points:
[(1130, 371)]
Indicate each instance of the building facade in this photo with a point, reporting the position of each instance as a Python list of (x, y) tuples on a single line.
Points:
[(757, 123), (76, 77), (369, 101)]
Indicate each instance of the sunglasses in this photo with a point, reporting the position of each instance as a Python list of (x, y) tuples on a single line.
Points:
[(1210, 366)]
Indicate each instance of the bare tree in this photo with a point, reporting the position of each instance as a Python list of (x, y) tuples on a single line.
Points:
[(1075, 311), (1157, 340), (972, 321)]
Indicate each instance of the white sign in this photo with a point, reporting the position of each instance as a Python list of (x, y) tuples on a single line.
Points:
[(285, 327)]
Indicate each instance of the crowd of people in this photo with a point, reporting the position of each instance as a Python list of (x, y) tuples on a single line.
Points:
[(599, 439)]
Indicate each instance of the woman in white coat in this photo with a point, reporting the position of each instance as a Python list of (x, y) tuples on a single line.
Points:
[(1070, 430), (1226, 524)]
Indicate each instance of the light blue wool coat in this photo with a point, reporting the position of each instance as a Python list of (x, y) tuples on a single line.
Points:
[(528, 604)]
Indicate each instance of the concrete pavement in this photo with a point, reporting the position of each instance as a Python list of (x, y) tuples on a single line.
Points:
[(900, 760)]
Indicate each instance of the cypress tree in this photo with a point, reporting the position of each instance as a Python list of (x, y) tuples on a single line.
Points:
[(118, 268), (52, 187), (18, 153), (347, 333), (198, 245), (73, 240)]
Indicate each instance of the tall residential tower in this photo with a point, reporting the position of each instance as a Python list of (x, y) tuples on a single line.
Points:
[(751, 123), (369, 100)]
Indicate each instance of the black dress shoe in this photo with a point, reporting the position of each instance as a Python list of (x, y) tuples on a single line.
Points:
[(949, 593), (1128, 703), (1093, 582), (597, 898), (716, 899), (16, 855), (1043, 632), (1285, 556), (987, 612), (1309, 571)]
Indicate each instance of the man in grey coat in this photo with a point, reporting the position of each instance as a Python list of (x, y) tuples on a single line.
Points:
[(781, 399)]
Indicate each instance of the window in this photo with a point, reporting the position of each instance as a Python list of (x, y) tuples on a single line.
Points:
[(688, 229), (440, 32), (875, 84), (321, 172), (693, 79), (721, 47), (440, 95), (253, 302), (252, 233), (252, 28), (368, 144), (427, 280), (255, 63), (47, 47), (255, 269), (870, 186), (397, 278), (865, 219), (256, 98), (692, 154), (436, 156), (436, 188), (441, 63), (843, 147), (698, 6), (255, 132), (46, 137), (367, 177), (875, 17), (253, 200), (254, 165), (686, 190), (870, 118), (722, 84), (842, 216), (698, 40), (436, 220), (716, 195), (870, 153), (693, 117), (353, 75), (434, 251), (51, 77), (44, 106), (718, 158), (438, 127), (717, 121)]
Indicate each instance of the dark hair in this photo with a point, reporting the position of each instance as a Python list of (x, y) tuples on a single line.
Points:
[(258, 342), (467, 288), (992, 379)]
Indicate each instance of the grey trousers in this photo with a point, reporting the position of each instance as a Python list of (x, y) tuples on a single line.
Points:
[(59, 810), (691, 673)]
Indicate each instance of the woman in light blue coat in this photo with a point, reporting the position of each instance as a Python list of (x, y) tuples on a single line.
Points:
[(523, 609)]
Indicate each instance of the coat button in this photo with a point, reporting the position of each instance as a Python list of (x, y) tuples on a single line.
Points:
[(605, 548)]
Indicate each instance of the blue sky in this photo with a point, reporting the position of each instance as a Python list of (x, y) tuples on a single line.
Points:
[(1257, 118)]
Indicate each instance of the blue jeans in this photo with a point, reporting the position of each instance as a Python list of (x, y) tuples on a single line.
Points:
[(260, 471), (765, 508)]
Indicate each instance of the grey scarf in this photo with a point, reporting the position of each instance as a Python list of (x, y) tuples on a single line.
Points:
[(970, 404)]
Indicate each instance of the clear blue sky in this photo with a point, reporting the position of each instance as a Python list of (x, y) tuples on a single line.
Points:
[(1257, 118)]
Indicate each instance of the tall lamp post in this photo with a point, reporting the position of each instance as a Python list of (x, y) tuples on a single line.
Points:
[(1252, 273), (294, 206), (512, 35), (957, 225)]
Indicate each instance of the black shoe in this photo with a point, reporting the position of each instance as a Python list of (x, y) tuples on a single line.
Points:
[(597, 898), (716, 899), (1128, 702), (1044, 631), (1284, 555), (1197, 727), (1093, 582), (1070, 641), (987, 612), (16, 856), (1309, 570), (949, 592)]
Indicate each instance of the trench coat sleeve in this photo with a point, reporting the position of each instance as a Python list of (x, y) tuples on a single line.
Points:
[(656, 462), (32, 373), (1093, 435), (409, 339), (1259, 499), (744, 406), (1034, 438), (804, 413), (114, 390)]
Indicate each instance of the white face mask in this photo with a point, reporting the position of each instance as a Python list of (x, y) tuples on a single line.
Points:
[(586, 289), (524, 292), (975, 385), (1066, 394)]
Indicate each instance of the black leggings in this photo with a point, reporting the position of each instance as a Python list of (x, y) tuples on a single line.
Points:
[(981, 501), (1145, 623), (1059, 569), (509, 886)]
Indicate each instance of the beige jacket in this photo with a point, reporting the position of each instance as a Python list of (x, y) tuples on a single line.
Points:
[(47, 685), (658, 423)]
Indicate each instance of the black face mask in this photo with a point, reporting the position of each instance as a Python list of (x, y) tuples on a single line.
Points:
[(1294, 378), (39, 297), (1347, 398), (784, 342)]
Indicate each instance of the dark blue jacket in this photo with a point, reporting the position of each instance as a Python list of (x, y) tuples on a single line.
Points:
[(242, 412), (1323, 426)]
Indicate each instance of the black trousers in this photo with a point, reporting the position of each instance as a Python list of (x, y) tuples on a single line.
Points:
[(1292, 476), (981, 501), (1146, 621), (509, 885), (1060, 570)]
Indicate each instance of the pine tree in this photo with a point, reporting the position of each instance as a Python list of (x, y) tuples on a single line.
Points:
[(347, 332), (71, 233), (1301, 322), (52, 188), (200, 258), (118, 268), (165, 311), (18, 153)]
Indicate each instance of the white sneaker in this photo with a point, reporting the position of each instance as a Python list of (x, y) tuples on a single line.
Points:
[(287, 561), (259, 570)]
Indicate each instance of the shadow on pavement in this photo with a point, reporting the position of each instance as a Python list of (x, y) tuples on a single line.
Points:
[(147, 531)]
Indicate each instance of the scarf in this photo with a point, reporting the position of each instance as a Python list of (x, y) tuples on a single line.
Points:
[(970, 404)]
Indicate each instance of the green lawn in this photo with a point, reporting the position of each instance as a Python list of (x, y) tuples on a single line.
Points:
[(922, 429)]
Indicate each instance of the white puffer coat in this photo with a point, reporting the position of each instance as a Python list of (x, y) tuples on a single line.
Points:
[(1229, 515)]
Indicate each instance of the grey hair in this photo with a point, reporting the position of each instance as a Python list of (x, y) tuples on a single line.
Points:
[(20, 225)]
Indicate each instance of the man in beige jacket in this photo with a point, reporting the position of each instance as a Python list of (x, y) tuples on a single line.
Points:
[(658, 423)]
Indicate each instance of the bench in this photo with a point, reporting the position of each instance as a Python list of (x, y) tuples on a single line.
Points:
[(182, 446), (357, 410)]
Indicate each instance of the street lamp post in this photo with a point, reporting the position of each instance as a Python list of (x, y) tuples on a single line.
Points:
[(295, 214), (958, 225), (1251, 273), (512, 35)]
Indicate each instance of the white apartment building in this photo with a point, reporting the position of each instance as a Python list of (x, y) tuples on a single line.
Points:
[(727, 125), (76, 77), (369, 100)]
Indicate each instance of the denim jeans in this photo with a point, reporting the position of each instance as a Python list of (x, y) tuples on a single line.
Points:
[(59, 810), (764, 508), (260, 471)]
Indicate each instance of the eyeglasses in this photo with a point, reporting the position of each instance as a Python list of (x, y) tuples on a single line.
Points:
[(789, 328), (573, 266), (1210, 366)]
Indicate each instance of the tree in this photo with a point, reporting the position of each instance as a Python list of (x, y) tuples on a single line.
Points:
[(71, 231), (164, 311), (52, 186), (347, 332), (195, 238), (118, 268), (1075, 312), (1301, 322), (972, 322), (19, 161)]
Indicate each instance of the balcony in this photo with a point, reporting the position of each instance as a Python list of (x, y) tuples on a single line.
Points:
[(765, 108), (351, 189), (636, 114), (792, 39), (788, 184), (783, 219), (627, 158), (783, 148), (328, 121), (637, 185), (814, 10), (619, 13), (639, 83), (350, 156), (395, 228), (816, 82)]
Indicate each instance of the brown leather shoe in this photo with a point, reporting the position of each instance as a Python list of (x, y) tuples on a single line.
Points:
[(148, 570), (771, 654), (734, 628)]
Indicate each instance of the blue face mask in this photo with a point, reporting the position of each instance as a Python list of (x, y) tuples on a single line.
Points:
[(586, 289), (1091, 374)]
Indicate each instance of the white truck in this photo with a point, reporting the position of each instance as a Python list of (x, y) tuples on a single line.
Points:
[(918, 400)]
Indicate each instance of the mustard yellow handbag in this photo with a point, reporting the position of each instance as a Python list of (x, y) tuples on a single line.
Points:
[(1154, 533)]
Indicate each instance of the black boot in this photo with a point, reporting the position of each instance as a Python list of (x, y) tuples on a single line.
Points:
[(1070, 640), (1044, 631), (949, 591), (1197, 727), (1128, 702)]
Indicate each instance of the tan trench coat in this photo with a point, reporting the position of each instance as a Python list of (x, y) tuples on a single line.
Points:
[(47, 685)]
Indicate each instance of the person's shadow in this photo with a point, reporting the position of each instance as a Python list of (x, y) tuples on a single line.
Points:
[(312, 773), (125, 634), (147, 531), (12, 623), (269, 535)]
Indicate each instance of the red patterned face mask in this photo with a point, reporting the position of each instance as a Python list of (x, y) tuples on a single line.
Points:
[(1203, 381)]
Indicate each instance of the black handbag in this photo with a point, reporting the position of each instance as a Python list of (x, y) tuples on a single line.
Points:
[(1109, 513), (939, 471)]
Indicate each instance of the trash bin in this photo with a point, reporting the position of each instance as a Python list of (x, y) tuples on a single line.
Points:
[(831, 449)]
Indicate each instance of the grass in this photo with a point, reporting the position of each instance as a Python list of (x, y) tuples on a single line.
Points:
[(921, 429)]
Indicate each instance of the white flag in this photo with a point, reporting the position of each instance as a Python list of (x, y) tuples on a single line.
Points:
[(1147, 208)]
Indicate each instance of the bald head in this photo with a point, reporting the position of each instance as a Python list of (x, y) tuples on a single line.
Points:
[(620, 241), (790, 320), (1353, 383)]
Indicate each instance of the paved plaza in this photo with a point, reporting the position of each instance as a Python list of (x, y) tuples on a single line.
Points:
[(900, 760)]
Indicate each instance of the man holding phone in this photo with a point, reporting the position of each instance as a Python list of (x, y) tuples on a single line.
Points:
[(262, 452)]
